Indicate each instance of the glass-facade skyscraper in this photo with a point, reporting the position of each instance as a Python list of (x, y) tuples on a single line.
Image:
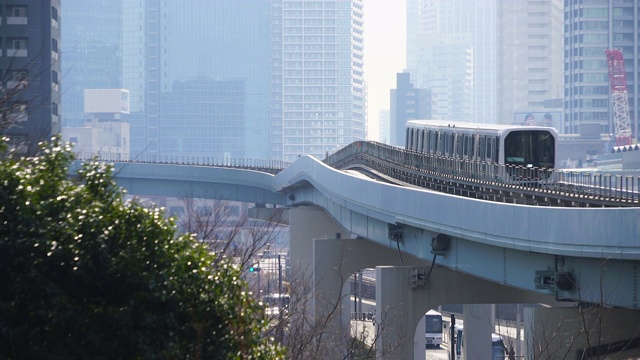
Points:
[(178, 59), (590, 28), (91, 53)]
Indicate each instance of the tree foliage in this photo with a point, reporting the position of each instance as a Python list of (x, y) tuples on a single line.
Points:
[(86, 274)]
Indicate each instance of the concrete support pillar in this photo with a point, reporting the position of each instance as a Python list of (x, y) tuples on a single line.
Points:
[(334, 261), (324, 251), (399, 308), (477, 331), (305, 224)]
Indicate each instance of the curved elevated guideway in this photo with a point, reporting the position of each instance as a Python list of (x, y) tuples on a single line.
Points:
[(487, 239), (538, 248)]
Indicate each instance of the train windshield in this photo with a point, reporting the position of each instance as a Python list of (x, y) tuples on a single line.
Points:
[(530, 148)]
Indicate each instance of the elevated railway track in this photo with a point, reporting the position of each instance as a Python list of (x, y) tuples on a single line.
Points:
[(476, 180), (487, 181)]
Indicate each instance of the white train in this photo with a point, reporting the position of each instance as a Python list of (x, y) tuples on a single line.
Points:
[(529, 147)]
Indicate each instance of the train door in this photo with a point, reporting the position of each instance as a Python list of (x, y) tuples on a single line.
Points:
[(457, 145), (432, 142), (407, 143), (465, 146), (475, 140), (489, 158), (427, 138)]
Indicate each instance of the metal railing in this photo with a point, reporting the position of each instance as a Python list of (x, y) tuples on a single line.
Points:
[(400, 163), (269, 166), (404, 165)]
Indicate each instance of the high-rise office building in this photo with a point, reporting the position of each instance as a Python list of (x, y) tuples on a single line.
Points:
[(530, 57), (590, 27), (173, 50), (92, 53), (320, 46), (407, 103), (30, 72)]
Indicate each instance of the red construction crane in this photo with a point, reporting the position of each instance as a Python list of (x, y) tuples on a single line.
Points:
[(619, 97)]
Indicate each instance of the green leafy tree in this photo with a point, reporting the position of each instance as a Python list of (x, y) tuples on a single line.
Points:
[(86, 274)]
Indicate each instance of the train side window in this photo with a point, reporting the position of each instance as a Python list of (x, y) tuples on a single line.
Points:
[(446, 144), (489, 149), (463, 154), (481, 148), (433, 142), (496, 152), (474, 143), (427, 139), (452, 148), (407, 136)]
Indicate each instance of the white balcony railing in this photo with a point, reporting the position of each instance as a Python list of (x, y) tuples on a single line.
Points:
[(17, 53), (14, 20)]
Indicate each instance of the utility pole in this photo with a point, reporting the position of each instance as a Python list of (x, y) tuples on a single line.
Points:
[(279, 331), (452, 337)]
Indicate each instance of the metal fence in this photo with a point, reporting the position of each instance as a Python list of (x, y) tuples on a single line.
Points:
[(587, 184)]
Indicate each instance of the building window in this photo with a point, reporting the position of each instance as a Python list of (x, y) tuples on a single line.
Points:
[(18, 44), (17, 47), (19, 11), (18, 112)]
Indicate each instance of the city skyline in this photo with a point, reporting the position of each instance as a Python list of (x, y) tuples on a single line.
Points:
[(385, 30), (299, 95)]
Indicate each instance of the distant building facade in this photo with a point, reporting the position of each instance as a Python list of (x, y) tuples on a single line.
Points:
[(318, 75), (105, 133), (455, 54), (530, 58), (30, 72), (590, 27), (407, 103), (168, 47), (384, 126), (92, 35), (205, 117)]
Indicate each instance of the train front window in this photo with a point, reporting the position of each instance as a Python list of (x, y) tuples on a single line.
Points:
[(530, 148)]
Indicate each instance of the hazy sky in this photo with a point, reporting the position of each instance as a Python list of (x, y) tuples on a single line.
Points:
[(384, 53)]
